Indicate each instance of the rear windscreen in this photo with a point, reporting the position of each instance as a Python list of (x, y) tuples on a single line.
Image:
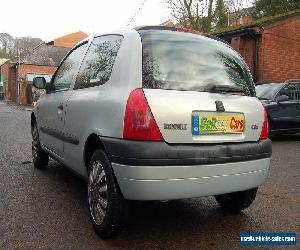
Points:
[(183, 61)]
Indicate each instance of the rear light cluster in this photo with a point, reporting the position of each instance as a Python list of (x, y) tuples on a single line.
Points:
[(139, 123), (265, 128)]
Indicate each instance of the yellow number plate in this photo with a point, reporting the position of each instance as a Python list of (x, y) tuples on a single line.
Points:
[(211, 124)]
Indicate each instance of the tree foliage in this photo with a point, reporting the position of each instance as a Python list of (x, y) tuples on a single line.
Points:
[(208, 15), (11, 47), (6, 45), (190, 13), (274, 7), (221, 15), (203, 15)]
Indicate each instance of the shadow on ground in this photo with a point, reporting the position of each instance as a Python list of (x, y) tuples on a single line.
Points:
[(189, 223), (292, 137)]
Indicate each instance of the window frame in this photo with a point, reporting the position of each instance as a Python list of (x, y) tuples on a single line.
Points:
[(86, 52), (285, 86), (50, 91)]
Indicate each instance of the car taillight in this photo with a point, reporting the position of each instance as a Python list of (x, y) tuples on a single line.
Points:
[(139, 123), (265, 128)]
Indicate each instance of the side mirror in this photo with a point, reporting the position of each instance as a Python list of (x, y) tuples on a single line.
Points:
[(39, 82), (283, 98)]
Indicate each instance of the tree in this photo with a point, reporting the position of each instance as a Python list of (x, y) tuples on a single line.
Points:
[(206, 25), (236, 5), (11, 47), (221, 16), (6, 45), (274, 7), (195, 14), (204, 15), (23, 45)]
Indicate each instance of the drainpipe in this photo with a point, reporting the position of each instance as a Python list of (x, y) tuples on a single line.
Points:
[(255, 58), (17, 78), (255, 53), (18, 85), (253, 33)]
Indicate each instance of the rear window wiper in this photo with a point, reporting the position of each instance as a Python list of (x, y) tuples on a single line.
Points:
[(213, 88)]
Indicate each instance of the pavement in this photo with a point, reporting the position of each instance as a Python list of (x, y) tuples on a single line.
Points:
[(47, 208)]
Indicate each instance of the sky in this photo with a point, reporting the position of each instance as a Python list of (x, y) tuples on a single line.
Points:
[(51, 19)]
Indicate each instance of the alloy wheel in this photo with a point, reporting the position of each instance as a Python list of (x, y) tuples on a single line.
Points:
[(35, 143), (97, 192)]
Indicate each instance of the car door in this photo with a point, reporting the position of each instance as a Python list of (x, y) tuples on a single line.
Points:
[(286, 114), (88, 107), (51, 108)]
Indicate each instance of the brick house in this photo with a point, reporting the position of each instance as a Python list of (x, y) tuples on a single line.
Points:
[(241, 17), (18, 73), (270, 46), (68, 41)]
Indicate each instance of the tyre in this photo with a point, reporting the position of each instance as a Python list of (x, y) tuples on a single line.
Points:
[(39, 157), (107, 207), (237, 201)]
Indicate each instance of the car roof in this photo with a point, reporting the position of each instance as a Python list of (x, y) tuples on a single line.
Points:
[(155, 27), (293, 81), (129, 31), (280, 84)]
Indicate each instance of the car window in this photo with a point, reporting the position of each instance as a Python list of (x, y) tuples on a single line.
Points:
[(267, 91), (290, 90), (65, 73), (182, 61), (298, 92), (98, 63)]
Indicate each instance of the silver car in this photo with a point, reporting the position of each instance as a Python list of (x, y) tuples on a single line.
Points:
[(152, 113)]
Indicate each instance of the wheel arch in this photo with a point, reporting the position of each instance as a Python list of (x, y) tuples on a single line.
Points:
[(92, 143)]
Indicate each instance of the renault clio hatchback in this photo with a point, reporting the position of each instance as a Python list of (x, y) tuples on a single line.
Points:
[(153, 114)]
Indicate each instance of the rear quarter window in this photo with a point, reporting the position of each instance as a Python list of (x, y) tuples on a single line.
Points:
[(98, 63)]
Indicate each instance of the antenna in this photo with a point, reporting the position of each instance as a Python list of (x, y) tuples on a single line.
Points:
[(135, 14)]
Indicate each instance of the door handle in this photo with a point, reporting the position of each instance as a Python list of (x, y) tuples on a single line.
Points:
[(60, 106)]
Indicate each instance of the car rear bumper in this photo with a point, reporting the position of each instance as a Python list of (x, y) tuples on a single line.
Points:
[(160, 171), (147, 153), (178, 182)]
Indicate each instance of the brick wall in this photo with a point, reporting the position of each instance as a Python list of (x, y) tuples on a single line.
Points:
[(34, 69), (9, 74), (244, 45), (278, 51), (281, 51), (247, 51), (236, 43)]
